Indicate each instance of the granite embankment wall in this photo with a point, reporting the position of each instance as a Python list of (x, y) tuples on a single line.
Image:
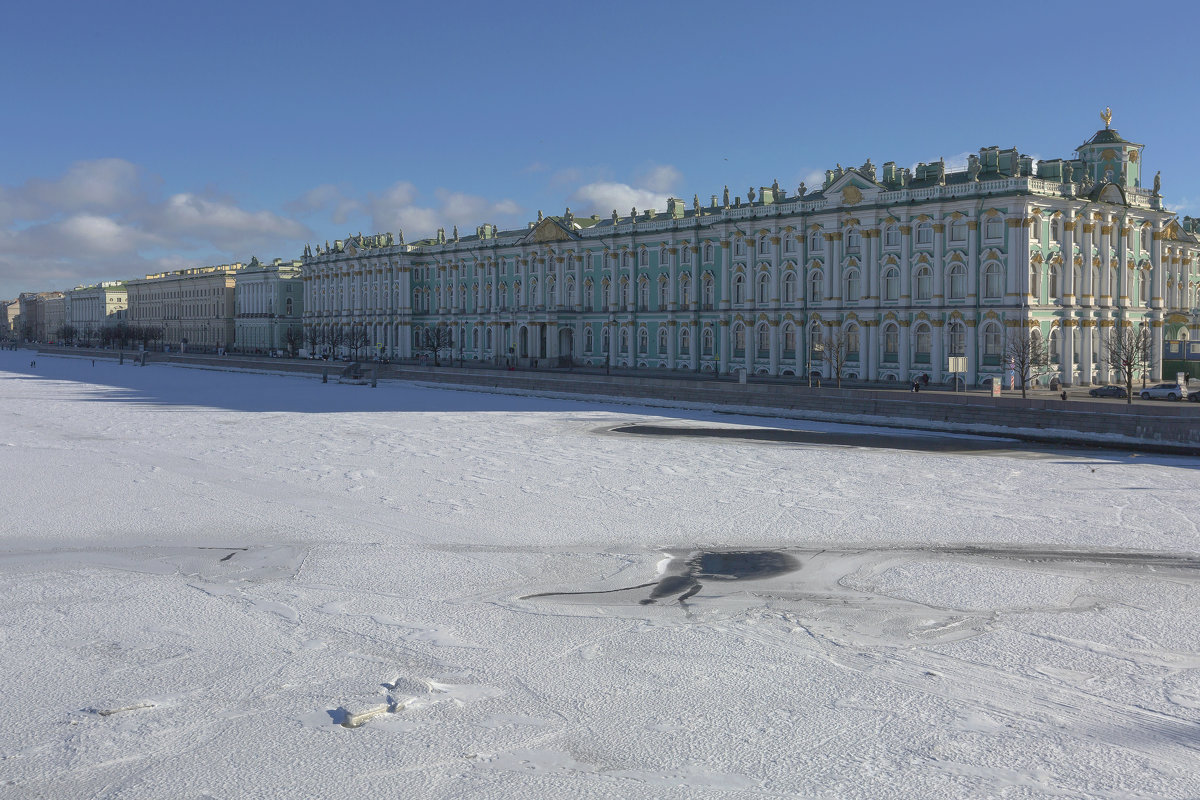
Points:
[(1158, 426)]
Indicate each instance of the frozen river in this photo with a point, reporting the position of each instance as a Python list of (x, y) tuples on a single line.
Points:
[(227, 585)]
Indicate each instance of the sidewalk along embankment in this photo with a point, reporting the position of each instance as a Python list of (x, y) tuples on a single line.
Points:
[(1158, 427)]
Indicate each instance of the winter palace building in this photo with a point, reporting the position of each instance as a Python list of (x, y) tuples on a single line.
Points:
[(905, 267)]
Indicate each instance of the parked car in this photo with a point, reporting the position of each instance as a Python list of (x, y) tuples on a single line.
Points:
[(1193, 397), (1163, 391), (1109, 391)]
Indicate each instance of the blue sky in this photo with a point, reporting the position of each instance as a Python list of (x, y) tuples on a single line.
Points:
[(144, 136)]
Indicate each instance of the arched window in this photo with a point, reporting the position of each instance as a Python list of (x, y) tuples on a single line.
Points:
[(662, 340), (958, 230), (708, 251), (1055, 227), (958, 281), (624, 340), (764, 288), (764, 246), (993, 228), (1146, 239), (992, 281), (684, 282), (643, 341), (685, 341), (739, 339), (709, 291), (852, 343), (589, 340), (487, 338), (814, 286), (1054, 283), (925, 233), (891, 236), (475, 338), (924, 283), (288, 307), (763, 335), (853, 241), (956, 339), (789, 287), (1054, 345), (739, 247), (891, 284), (662, 256), (891, 343), (853, 292), (643, 257), (1144, 285), (993, 344), (789, 340), (644, 294), (589, 295), (789, 244), (815, 242), (706, 340), (739, 289), (664, 289), (922, 342)]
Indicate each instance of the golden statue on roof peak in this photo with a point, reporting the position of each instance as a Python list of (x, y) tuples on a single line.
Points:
[(1106, 115)]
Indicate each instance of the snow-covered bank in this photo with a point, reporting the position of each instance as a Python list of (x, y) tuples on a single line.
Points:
[(204, 576)]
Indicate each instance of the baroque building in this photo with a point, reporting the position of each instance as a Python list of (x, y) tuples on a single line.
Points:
[(90, 308), (903, 268), (269, 304)]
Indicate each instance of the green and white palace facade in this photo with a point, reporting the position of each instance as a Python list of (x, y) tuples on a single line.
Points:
[(906, 266)]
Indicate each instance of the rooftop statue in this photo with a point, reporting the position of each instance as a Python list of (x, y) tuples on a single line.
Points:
[(726, 196), (750, 194), (616, 217), (400, 236), (696, 204), (801, 190), (1158, 182), (775, 187), (1106, 115), (1068, 172)]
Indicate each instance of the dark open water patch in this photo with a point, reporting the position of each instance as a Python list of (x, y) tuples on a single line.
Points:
[(721, 565)]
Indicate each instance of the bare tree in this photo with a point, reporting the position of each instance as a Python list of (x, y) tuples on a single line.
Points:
[(293, 337), (357, 337), (313, 336), (435, 339), (1127, 350), (1027, 355), (835, 351), (335, 338)]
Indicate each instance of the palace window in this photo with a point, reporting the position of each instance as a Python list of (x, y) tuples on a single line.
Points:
[(853, 241), (852, 343), (924, 233), (709, 291), (992, 281), (644, 295), (891, 343), (956, 339), (739, 289), (992, 346), (708, 251), (922, 340), (1146, 239), (662, 340), (958, 282), (764, 288), (1055, 227), (589, 340), (891, 236), (1035, 230), (852, 286), (815, 243), (924, 283), (663, 294), (706, 342), (993, 228), (814, 286), (764, 246), (739, 339), (739, 247), (764, 341), (685, 341), (1054, 284), (789, 245), (789, 288), (643, 341), (891, 284)]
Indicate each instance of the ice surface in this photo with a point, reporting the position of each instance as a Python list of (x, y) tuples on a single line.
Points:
[(205, 574)]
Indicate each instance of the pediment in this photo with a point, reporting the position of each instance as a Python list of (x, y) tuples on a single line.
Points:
[(852, 188), (549, 230)]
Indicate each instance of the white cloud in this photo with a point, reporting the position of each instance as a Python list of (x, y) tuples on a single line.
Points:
[(105, 220), (662, 179), (605, 196)]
